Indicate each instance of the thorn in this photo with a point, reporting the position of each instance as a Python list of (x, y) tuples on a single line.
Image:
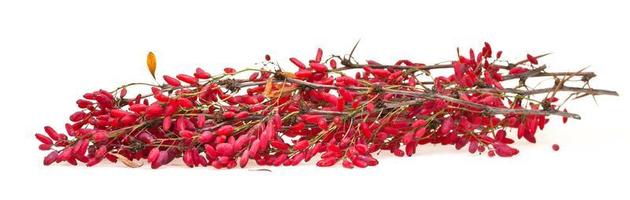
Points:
[(354, 48)]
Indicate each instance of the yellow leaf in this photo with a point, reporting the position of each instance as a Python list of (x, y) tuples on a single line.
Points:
[(283, 91), (288, 74), (268, 87), (151, 63), (126, 161)]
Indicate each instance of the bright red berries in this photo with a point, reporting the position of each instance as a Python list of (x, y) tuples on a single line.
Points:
[(331, 114)]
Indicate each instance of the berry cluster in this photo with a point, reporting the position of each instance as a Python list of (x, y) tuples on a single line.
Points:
[(277, 117)]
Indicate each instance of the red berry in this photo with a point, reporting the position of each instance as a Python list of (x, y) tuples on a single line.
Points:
[(51, 158), (229, 70), (172, 81), (43, 139), (201, 74), (188, 79), (225, 130), (532, 59), (301, 145), (225, 149), (318, 67), (297, 63)]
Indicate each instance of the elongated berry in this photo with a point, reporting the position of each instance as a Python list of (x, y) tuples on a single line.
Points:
[(225, 130), (172, 81)]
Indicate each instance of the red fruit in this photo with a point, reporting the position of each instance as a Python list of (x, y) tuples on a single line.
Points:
[(504, 150), (117, 113), (280, 145), (229, 70), (318, 67), (565, 119), (297, 63), (138, 108), (301, 145), (555, 147), (303, 74), (318, 56), (361, 148), (229, 115), (188, 79), (347, 164), (359, 163), (253, 76), (518, 70), (225, 130), (201, 120), (327, 162), (381, 73), (205, 137), (186, 134), (51, 133), (43, 139), (369, 107), (45, 147), (241, 115), (333, 63), (211, 153), (201, 74), (225, 149), (154, 110), (153, 155), (244, 159), (100, 136), (365, 129), (50, 158), (253, 149), (267, 57), (298, 126), (418, 123), (532, 59), (172, 81), (185, 103), (420, 132), (166, 123)]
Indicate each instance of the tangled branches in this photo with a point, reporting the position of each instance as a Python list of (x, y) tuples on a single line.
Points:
[(278, 117)]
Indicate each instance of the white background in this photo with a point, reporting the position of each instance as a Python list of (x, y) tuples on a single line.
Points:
[(51, 52)]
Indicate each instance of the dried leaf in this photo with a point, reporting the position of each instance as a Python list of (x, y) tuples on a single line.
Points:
[(282, 91), (288, 74), (268, 87), (151, 63), (126, 161)]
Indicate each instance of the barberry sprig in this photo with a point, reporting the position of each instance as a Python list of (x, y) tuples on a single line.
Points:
[(282, 117)]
